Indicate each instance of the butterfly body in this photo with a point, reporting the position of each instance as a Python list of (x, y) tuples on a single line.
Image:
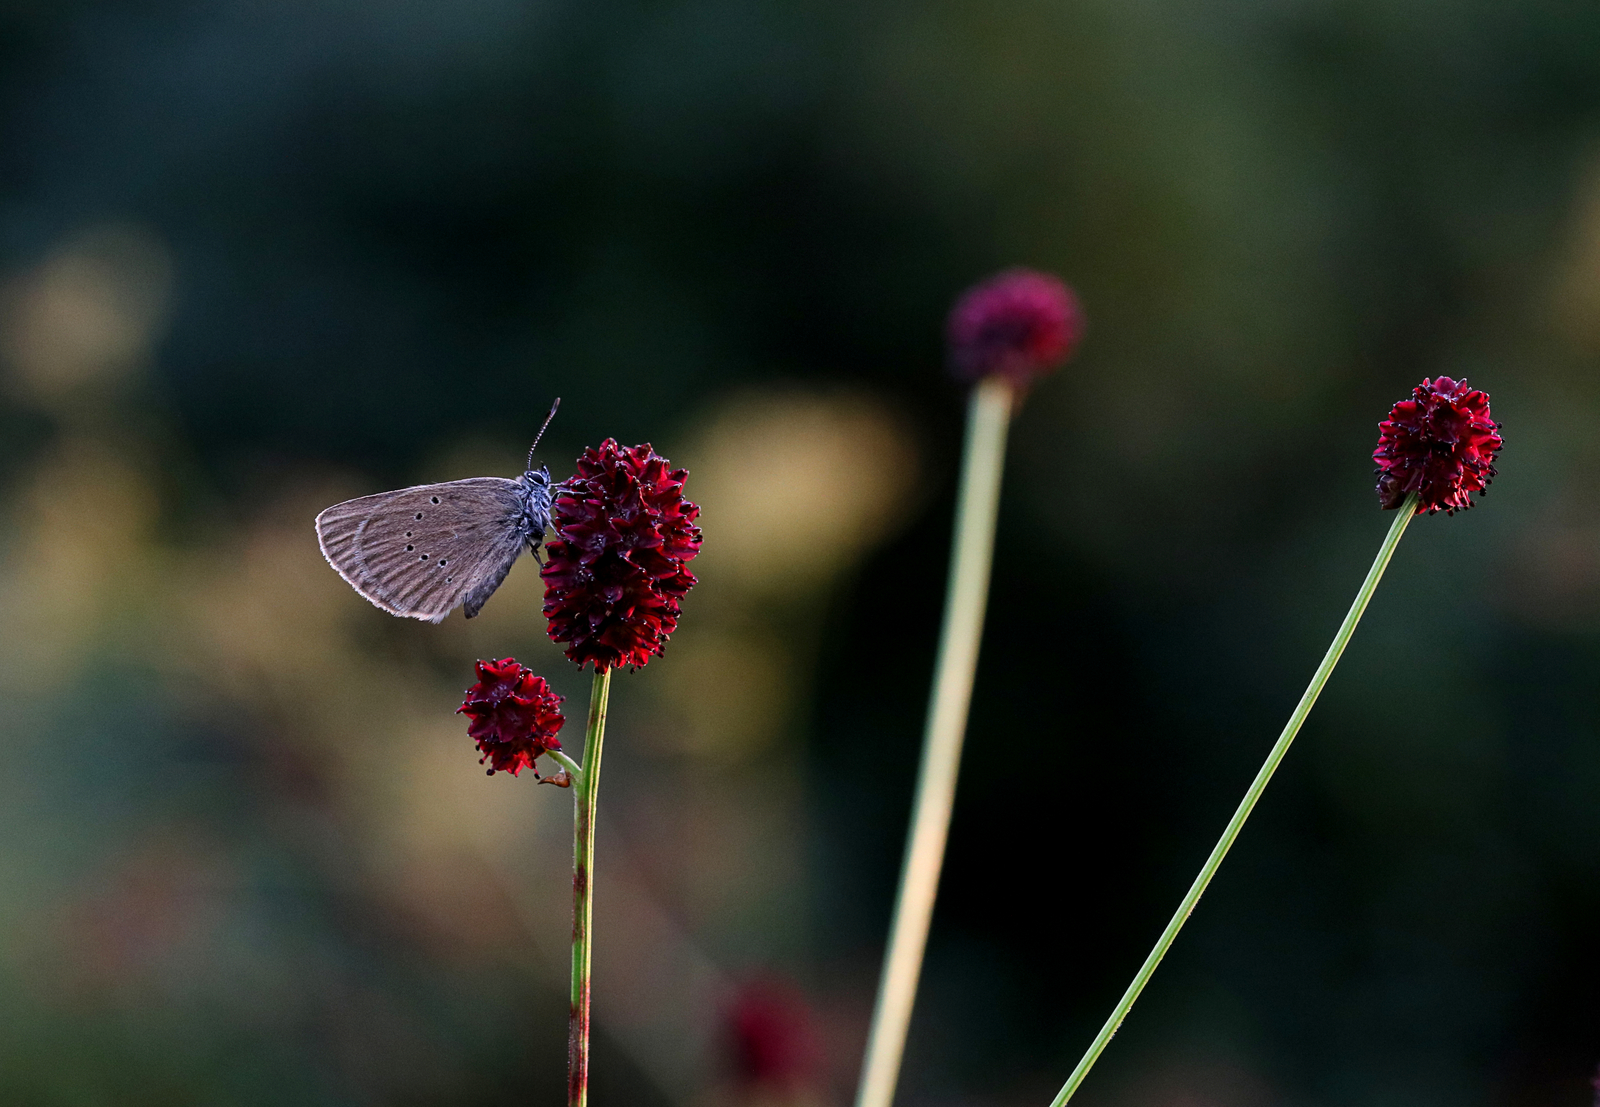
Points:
[(421, 552)]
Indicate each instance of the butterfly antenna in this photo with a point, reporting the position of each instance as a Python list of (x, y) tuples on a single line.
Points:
[(540, 435)]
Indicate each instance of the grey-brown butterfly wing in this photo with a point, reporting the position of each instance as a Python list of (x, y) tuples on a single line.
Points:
[(422, 552)]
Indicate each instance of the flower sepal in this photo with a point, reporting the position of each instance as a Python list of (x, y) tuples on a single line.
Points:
[(570, 773)]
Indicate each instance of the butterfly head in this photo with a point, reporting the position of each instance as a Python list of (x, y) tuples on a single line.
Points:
[(536, 497)]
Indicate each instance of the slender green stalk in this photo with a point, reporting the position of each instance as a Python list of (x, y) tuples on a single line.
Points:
[(977, 506), (1257, 786), (586, 789)]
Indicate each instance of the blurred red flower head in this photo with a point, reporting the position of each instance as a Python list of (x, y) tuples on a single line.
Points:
[(514, 715), (1441, 444), (773, 1036), (1020, 324), (619, 564)]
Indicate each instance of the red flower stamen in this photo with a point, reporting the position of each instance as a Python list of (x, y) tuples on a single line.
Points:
[(1020, 324), (618, 568), (1441, 444), (514, 716)]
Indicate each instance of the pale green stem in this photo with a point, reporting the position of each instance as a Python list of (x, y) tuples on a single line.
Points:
[(586, 790), (1257, 786), (977, 505)]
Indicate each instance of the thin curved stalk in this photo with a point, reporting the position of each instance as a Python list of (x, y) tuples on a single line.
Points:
[(977, 508), (574, 770), (1259, 785)]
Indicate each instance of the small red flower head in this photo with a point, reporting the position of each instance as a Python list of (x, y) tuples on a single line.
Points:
[(1020, 324), (618, 566), (514, 715), (1441, 444)]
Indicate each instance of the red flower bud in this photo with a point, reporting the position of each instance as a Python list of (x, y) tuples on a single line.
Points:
[(618, 566), (1020, 324), (514, 715), (1441, 444)]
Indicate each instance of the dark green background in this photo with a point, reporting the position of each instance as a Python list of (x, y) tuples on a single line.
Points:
[(394, 226)]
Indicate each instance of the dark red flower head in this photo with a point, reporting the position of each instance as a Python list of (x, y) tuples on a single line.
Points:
[(618, 566), (1020, 324), (1441, 444), (514, 715)]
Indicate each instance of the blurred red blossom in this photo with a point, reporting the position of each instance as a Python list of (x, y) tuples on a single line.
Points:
[(1020, 324), (515, 716), (773, 1037), (1441, 444), (619, 564)]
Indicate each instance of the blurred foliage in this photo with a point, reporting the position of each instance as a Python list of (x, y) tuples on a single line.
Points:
[(259, 257)]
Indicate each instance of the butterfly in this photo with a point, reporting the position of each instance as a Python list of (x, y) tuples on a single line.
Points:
[(424, 551)]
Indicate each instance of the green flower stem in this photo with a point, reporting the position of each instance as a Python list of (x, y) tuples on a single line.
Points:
[(977, 506), (586, 788), (1259, 785), (574, 770)]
